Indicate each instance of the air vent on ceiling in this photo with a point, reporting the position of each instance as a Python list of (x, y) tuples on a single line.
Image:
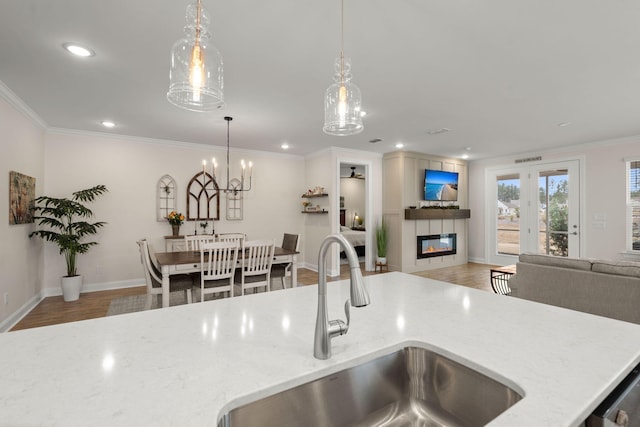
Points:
[(437, 131), (529, 159)]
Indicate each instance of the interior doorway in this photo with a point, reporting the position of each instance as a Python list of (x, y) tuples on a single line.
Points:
[(353, 207)]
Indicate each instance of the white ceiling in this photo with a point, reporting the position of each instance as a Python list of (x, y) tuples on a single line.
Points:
[(500, 74)]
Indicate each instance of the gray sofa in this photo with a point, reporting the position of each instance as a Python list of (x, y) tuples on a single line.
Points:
[(604, 288)]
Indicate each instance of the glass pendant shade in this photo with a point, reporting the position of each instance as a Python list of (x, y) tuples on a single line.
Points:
[(342, 103), (196, 77)]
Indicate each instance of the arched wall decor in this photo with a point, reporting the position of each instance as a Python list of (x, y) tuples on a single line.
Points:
[(234, 200), (203, 198), (166, 197)]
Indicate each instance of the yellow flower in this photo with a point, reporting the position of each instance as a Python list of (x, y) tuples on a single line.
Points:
[(175, 218)]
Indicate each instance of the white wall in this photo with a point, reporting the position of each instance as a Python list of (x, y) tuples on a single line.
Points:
[(20, 264), (131, 168), (603, 191), (318, 171), (323, 169)]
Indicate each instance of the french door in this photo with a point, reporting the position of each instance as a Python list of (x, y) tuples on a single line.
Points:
[(536, 209)]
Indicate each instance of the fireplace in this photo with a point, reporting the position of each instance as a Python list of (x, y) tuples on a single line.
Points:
[(436, 245)]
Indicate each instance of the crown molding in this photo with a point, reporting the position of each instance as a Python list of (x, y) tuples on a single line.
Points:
[(20, 106), (165, 142)]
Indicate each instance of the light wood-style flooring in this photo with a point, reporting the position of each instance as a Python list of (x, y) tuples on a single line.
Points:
[(54, 310)]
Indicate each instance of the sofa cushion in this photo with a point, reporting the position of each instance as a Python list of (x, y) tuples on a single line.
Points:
[(619, 268), (554, 261)]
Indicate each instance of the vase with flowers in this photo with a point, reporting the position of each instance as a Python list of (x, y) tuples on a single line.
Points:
[(175, 219)]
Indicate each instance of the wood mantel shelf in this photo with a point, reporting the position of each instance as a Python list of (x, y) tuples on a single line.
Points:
[(437, 213)]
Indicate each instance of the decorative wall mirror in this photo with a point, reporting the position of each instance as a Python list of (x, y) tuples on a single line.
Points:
[(234, 200), (203, 198), (165, 197)]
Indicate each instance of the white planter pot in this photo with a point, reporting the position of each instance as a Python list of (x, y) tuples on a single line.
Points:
[(381, 260), (71, 287)]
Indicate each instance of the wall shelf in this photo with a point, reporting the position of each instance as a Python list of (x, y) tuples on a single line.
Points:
[(437, 213), (315, 212), (305, 196)]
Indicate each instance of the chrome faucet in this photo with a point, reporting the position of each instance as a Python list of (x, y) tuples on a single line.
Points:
[(327, 329)]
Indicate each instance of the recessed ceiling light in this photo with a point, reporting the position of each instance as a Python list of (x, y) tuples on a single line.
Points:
[(78, 50), (564, 124), (108, 123), (363, 113), (399, 145), (284, 146), (465, 156)]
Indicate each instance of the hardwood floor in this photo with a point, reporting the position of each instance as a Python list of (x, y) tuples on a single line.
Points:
[(54, 310)]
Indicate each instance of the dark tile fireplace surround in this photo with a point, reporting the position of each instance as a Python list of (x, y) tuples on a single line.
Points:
[(436, 245)]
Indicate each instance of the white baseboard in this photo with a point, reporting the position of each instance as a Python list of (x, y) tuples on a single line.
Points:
[(312, 267), (478, 260), (94, 287), (16, 316)]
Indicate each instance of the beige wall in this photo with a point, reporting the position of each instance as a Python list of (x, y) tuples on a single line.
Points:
[(603, 191), (64, 161), (21, 266), (131, 169)]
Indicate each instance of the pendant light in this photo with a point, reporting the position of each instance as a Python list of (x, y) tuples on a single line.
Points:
[(195, 77), (342, 101), (233, 185)]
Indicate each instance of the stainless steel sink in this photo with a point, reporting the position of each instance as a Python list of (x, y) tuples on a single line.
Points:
[(411, 387)]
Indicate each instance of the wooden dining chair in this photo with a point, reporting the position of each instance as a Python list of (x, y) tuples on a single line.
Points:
[(194, 243), (218, 262), (153, 278), (281, 271), (255, 265)]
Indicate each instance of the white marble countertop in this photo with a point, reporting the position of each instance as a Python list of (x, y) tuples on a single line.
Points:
[(188, 365)]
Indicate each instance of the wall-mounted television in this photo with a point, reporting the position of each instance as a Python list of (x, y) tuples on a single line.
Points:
[(440, 185)]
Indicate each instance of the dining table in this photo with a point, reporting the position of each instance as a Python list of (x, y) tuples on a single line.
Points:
[(184, 262)]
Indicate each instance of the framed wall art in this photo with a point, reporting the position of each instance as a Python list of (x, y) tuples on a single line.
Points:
[(22, 193)]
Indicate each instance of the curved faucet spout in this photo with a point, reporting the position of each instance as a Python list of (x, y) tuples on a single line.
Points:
[(327, 329)]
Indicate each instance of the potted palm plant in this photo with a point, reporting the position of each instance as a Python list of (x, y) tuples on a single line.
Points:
[(381, 242), (65, 225)]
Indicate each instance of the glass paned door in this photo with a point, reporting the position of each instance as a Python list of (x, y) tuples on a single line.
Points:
[(558, 209), (534, 208), (508, 214), (553, 212)]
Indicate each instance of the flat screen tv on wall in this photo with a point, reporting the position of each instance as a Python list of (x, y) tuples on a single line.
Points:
[(440, 185)]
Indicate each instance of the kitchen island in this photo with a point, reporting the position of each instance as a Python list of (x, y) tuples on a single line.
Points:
[(188, 365)]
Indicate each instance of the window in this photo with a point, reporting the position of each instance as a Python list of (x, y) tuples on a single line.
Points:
[(165, 197), (633, 205)]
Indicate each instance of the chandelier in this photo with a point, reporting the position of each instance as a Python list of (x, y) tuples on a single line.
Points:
[(342, 101), (233, 185), (195, 77)]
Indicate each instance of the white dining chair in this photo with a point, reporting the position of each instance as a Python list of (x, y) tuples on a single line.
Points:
[(153, 278), (255, 265), (195, 242), (218, 262), (231, 237), (281, 271)]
